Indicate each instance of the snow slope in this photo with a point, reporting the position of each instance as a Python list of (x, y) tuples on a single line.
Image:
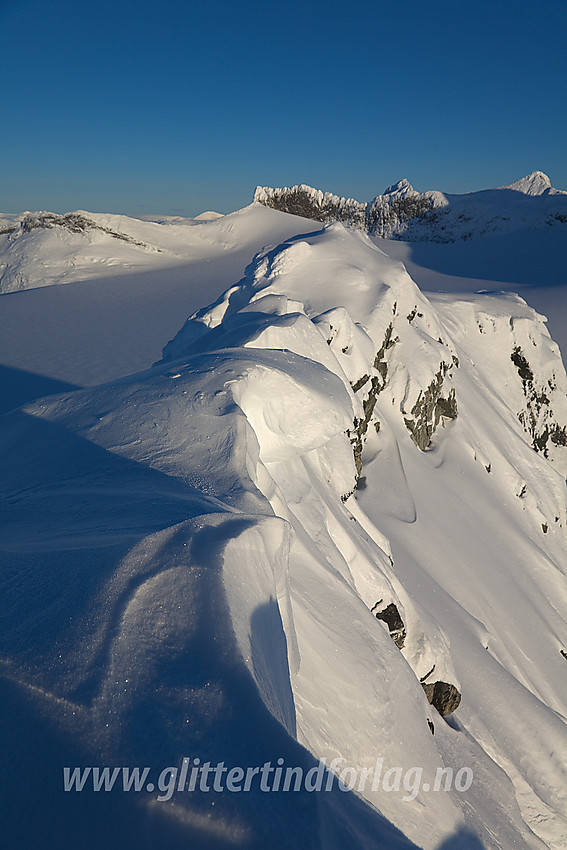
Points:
[(532, 265), (43, 248), (113, 323), (190, 568)]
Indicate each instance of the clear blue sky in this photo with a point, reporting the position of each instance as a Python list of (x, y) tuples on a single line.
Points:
[(175, 107)]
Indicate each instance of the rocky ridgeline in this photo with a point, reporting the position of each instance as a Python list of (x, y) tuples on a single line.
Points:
[(314, 204), (403, 213), (385, 216)]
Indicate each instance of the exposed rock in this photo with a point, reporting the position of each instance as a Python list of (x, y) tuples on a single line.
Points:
[(537, 418), (377, 384), (380, 359), (427, 675), (411, 316), (314, 204), (74, 222), (442, 696), (360, 383), (387, 215), (429, 408), (522, 365), (391, 616), (361, 425), (347, 496)]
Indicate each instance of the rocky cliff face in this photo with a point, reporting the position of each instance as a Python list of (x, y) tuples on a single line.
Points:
[(312, 203)]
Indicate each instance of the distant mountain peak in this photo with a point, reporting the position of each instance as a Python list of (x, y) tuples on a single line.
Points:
[(401, 188), (535, 183)]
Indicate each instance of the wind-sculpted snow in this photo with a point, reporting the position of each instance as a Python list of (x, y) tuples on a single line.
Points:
[(401, 366), (321, 508), (343, 281), (432, 216), (184, 640)]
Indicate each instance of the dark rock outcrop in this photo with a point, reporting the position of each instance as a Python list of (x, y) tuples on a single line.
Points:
[(391, 616), (537, 418), (73, 222), (432, 216), (386, 215), (377, 384), (442, 696), (429, 408), (314, 204)]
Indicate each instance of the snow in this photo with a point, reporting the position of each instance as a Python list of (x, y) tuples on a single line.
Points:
[(120, 319), (535, 183), (189, 571), (432, 216), (208, 215), (534, 267), (401, 189)]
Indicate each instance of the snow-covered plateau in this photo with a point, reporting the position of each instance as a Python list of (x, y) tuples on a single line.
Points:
[(326, 530)]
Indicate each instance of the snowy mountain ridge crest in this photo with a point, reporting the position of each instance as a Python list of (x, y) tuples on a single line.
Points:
[(331, 517), (403, 213), (406, 372)]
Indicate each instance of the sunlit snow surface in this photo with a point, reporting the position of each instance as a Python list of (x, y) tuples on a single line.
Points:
[(188, 572)]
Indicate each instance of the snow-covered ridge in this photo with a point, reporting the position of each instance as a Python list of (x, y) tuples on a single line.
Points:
[(409, 373), (378, 293), (43, 248), (73, 222), (403, 213), (333, 515)]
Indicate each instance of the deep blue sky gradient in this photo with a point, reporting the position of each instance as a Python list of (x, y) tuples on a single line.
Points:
[(176, 107)]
